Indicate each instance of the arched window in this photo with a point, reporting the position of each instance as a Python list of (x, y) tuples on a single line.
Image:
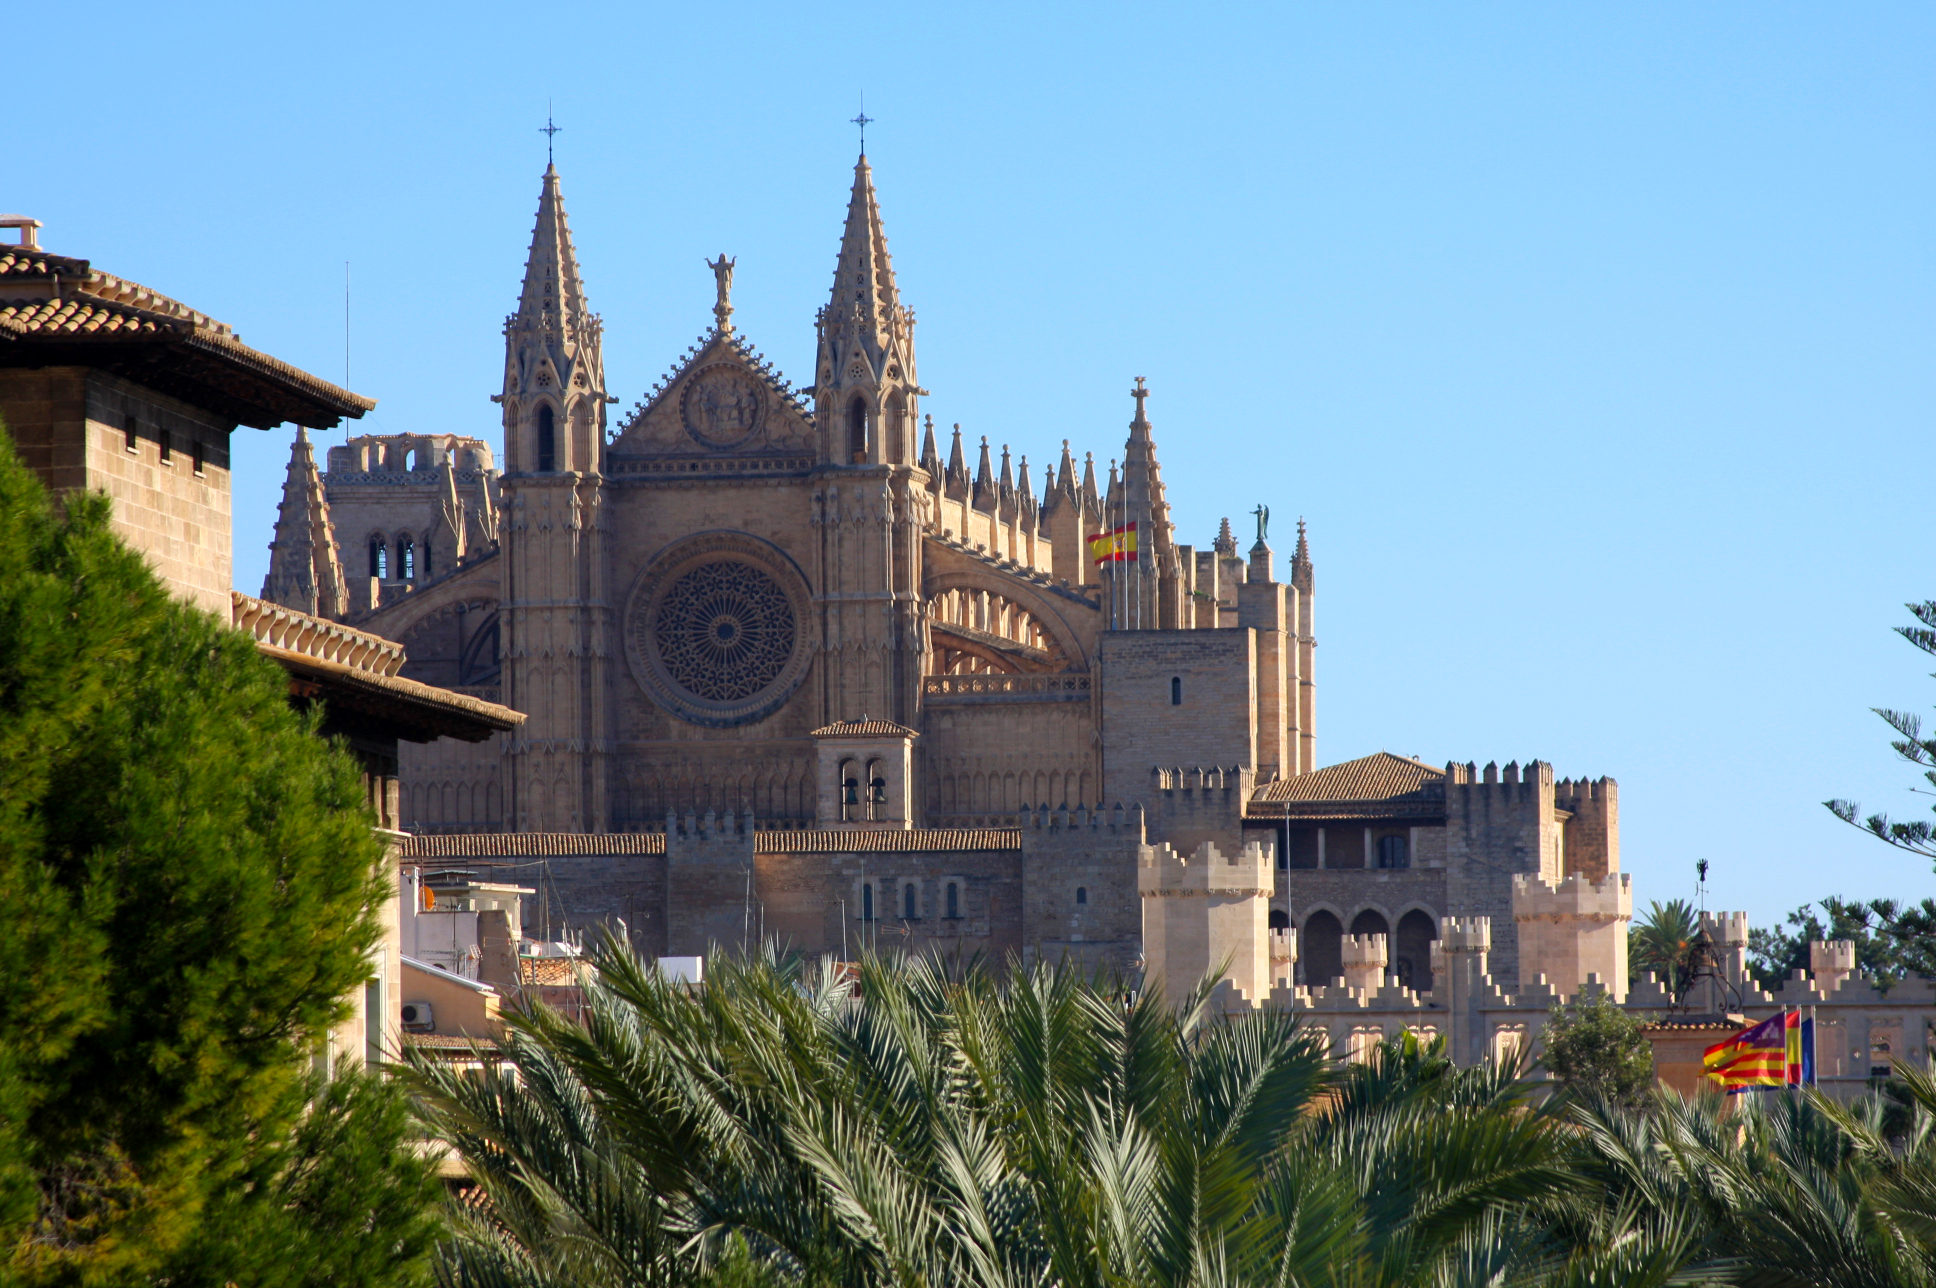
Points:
[(379, 559), (547, 440), (1412, 953), (857, 430), (954, 901), (910, 902), (406, 559), (1279, 919), (1391, 852), (849, 791), (1082, 894), (867, 901), (1176, 690), (876, 790), (1322, 946)]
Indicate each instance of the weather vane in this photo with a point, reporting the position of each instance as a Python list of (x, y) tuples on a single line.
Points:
[(863, 120), (548, 129)]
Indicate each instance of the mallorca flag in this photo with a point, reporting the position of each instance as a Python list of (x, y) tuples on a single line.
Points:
[(1757, 1056), (1117, 546)]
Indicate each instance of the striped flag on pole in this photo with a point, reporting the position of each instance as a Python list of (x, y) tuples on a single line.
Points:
[(1757, 1056)]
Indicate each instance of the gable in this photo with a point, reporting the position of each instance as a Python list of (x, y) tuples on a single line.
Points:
[(724, 399)]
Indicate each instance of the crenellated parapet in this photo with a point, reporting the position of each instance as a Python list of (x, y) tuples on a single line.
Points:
[(1572, 928), (1365, 957), (1203, 912), (1191, 804)]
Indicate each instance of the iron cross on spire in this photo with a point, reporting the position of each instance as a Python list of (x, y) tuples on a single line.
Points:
[(1139, 393), (863, 120), (548, 129)]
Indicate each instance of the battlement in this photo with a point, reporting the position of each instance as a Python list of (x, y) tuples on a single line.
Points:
[(1576, 898), (1465, 935), (1203, 778), (1573, 930), (1470, 775), (1365, 950), (1572, 793), (710, 838), (1728, 930), (1161, 871), (1120, 820), (1834, 955), (1283, 945)]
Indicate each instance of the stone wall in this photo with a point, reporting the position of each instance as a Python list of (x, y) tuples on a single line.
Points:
[(164, 464), (1214, 673)]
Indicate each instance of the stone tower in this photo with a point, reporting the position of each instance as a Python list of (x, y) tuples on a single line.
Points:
[(555, 607), (305, 568), (868, 506), (1304, 582)]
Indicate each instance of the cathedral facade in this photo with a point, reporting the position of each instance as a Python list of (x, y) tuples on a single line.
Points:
[(774, 624)]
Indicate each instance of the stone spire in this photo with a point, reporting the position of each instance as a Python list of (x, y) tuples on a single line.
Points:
[(986, 496), (866, 393), (1144, 591), (305, 567), (1226, 540), (1301, 570), (553, 354), (931, 455)]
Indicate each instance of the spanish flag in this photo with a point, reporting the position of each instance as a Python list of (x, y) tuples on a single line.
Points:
[(1757, 1056), (1116, 546)]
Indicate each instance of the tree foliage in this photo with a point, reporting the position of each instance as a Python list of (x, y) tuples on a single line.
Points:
[(1596, 1049), (784, 1125), (1916, 835), (1663, 942), (190, 877), (1893, 940)]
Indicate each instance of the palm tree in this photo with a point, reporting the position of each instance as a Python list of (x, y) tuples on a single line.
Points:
[(1664, 943), (923, 1126)]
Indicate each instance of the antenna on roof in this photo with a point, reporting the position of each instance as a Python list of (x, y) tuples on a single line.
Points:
[(346, 341)]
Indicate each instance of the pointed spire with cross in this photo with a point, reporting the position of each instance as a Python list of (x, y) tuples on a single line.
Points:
[(863, 120), (549, 129)]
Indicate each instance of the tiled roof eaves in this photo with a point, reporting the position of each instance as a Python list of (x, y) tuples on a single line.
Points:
[(522, 845), (82, 318), (483, 718), (1343, 811)]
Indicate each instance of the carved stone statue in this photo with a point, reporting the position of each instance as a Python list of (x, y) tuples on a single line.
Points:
[(723, 282)]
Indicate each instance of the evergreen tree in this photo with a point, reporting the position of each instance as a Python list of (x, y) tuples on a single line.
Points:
[(190, 878), (1596, 1049), (1892, 940), (1916, 836)]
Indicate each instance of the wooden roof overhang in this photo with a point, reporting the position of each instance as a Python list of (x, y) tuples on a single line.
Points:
[(390, 704), (57, 311)]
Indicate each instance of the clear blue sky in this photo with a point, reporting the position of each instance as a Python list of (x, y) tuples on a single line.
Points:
[(1593, 341)]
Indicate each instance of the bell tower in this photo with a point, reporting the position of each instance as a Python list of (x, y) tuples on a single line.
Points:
[(869, 508), (555, 612)]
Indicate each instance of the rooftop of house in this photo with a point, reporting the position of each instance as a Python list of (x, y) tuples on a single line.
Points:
[(1381, 784), (57, 310)]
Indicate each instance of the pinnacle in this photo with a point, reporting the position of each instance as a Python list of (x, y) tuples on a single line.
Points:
[(553, 297)]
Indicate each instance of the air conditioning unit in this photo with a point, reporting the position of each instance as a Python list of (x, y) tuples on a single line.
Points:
[(417, 1018)]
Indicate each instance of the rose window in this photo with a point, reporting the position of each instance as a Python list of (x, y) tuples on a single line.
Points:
[(724, 631)]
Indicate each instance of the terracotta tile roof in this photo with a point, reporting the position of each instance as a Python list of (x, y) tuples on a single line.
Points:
[(61, 309), (866, 728), (354, 668), (454, 1042), (1378, 777), (820, 841), (520, 845)]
